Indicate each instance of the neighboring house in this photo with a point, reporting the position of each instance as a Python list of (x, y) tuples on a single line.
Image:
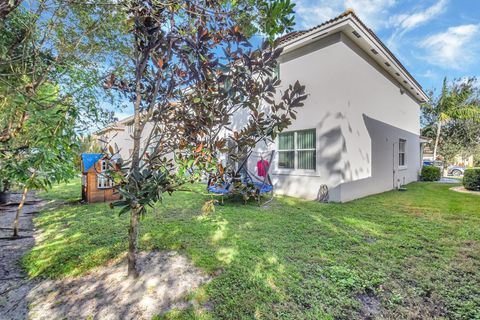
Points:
[(359, 131), (463, 161), (118, 135)]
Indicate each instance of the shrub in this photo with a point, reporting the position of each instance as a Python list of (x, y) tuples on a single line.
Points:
[(430, 173), (471, 179), (476, 161)]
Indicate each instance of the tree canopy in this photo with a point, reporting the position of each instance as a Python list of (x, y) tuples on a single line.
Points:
[(451, 118), (54, 55), (194, 70)]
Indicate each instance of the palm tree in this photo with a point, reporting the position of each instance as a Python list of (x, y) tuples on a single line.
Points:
[(456, 102)]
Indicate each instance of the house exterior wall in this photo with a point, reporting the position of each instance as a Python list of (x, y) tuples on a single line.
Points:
[(121, 139), (359, 113)]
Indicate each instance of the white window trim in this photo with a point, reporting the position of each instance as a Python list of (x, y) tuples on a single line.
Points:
[(295, 170), (106, 183), (405, 163), (130, 128)]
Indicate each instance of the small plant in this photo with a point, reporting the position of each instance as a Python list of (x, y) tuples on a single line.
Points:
[(471, 179), (430, 173), (4, 185)]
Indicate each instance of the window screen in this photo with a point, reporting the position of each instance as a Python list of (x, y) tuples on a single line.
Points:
[(401, 152), (297, 150)]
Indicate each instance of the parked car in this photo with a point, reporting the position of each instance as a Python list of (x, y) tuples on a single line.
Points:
[(455, 171), (433, 163)]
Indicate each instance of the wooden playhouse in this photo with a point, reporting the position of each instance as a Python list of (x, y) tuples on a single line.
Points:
[(96, 186)]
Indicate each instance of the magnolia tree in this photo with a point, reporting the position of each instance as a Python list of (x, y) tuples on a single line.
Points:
[(194, 70), (7, 6)]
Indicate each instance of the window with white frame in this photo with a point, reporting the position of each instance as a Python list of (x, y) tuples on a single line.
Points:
[(402, 152), (130, 127), (297, 150), (103, 181)]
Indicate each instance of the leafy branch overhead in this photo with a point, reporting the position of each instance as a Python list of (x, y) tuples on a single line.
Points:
[(57, 42), (51, 54), (194, 83), (199, 89)]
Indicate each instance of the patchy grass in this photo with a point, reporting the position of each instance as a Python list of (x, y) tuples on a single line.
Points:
[(65, 192), (413, 254)]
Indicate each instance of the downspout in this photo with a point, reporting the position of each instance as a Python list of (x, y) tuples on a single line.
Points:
[(393, 165)]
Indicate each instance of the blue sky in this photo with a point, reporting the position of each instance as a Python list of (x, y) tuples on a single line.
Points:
[(432, 38)]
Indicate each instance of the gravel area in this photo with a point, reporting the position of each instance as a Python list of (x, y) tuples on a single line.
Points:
[(14, 284)]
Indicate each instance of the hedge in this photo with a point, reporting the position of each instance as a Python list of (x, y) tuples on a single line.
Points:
[(471, 179), (430, 173)]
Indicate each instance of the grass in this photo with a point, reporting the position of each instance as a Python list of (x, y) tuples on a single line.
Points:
[(398, 254)]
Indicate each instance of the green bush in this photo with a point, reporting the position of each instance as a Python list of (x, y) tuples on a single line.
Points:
[(476, 161), (471, 179), (430, 173)]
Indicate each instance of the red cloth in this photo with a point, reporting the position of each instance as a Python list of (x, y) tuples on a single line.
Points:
[(262, 166)]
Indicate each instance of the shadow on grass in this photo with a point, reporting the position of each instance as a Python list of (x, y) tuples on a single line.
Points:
[(292, 258)]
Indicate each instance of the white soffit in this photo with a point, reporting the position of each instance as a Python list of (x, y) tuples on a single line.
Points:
[(362, 37)]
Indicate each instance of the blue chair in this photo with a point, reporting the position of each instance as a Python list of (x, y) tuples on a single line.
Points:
[(258, 188)]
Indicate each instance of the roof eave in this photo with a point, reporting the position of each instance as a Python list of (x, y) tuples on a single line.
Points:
[(109, 128), (354, 22)]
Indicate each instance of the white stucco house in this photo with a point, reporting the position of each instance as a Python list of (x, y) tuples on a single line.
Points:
[(359, 130), (119, 136)]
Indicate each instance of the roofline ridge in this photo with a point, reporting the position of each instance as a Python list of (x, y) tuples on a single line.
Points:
[(284, 40)]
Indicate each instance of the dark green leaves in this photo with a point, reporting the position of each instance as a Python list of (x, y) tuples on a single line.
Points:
[(197, 75)]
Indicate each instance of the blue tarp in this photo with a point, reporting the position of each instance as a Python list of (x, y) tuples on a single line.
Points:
[(89, 159)]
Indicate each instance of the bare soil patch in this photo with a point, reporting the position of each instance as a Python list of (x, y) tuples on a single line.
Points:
[(370, 305), (107, 293)]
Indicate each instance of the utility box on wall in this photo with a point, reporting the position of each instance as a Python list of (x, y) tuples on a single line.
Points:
[(96, 186)]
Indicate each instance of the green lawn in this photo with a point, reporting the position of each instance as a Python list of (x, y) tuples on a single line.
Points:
[(402, 254)]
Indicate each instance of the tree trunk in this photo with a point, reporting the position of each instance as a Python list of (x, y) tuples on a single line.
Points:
[(7, 6), (134, 167), (19, 210), (439, 128), (132, 244)]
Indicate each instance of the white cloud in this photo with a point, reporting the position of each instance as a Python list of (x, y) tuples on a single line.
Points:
[(372, 12), (413, 20), (453, 48), (429, 74), (311, 15), (120, 115), (313, 12), (404, 23)]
